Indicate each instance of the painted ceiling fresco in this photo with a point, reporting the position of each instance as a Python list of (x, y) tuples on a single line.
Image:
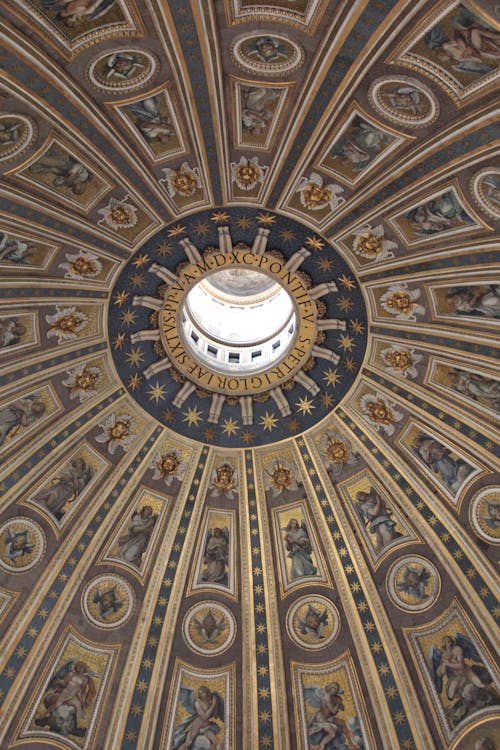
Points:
[(301, 558)]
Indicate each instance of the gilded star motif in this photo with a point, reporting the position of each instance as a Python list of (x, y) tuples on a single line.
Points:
[(346, 342), (141, 260), (265, 218), (332, 377), (164, 249), (134, 381), (219, 217), (201, 228), (243, 222), (268, 421), (347, 282), (315, 242), (156, 392), (327, 400), (121, 298), (128, 317), (135, 356), (350, 364), (209, 434), (192, 416), (176, 231), (325, 264), (345, 304), (119, 340), (137, 279), (304, 405), (287, 235), (357, 326), (247, 437), (230, 426)]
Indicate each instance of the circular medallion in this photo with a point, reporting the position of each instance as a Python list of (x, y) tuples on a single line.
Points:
[(485, 187), (17, 132), (209, 628), (267, 54), (108, 601), (122, 70), (404, 100), (484, 514), (413, 583), (236, 326), (22, 544), (313, 622)]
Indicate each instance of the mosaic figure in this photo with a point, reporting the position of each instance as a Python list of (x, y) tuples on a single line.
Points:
[(223, 482), (299, 548), (68, 172), (11, 332), (469, 46), (149, 120), (204, 706), (216, 556), (258, 105), (18, 414), (360, 144), (132, 545), (477, 387), (377, 517), (440, 214), (327, 730), (66, 487), (438, 458), (76, 12), (481, 300), (459, 672), (13, 250), (69, 696)]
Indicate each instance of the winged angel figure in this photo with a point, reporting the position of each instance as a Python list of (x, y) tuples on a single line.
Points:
[(458, 669), (326, 730), (198, 731)]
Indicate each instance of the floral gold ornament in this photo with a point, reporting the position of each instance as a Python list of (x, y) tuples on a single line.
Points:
[(82, 265), (316, 196), (184, 181), (82, 381), (66, 323), (398, 300), (370, 243), (381, 413), (117, 431), (248, 173), (118, 214), (401, 361)]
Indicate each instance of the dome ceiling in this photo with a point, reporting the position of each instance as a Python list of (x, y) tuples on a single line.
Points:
[(297, 556)]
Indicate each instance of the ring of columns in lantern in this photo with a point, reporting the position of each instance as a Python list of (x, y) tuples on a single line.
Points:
[(242, 386)]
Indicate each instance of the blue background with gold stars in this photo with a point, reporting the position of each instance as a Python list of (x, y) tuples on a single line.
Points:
[(155, 395)]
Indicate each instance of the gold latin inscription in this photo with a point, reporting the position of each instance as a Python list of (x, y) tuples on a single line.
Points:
[(252, 383)]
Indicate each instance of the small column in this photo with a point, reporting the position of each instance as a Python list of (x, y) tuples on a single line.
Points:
[(319, 351), (246, 406), (322, 289), (280, 400), (183, 394), (308, 383), (191, 250), (225, 241), (331, 324), (297, 258), (260, 241), (163, 273), (156, 367), (152, 302), (216, 408), (152, 334)]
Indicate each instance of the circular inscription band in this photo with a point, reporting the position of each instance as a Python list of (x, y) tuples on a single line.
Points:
[(244, 384)]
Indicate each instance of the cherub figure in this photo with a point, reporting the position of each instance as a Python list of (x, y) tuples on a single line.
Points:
[(199, 730), (107, 602), (18, 544), (314, 622), (326, 729), (458, 670)]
